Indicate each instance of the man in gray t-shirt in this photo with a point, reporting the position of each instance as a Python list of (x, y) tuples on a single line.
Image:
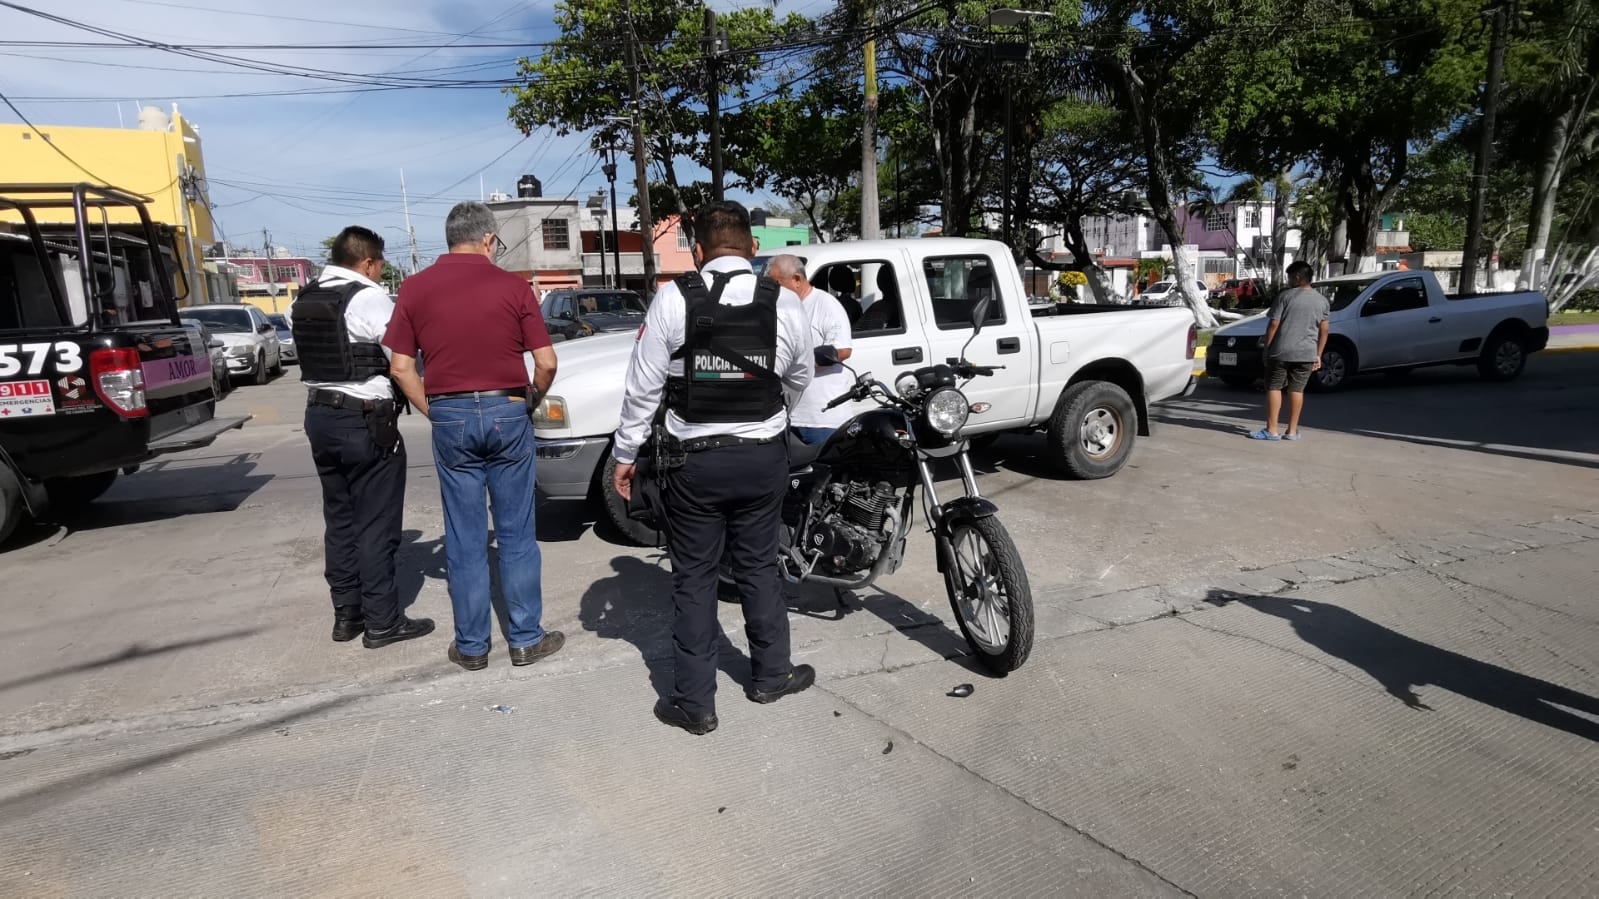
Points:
[(1295, 339)]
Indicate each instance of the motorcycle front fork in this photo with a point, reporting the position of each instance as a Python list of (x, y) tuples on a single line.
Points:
[(968, 478)]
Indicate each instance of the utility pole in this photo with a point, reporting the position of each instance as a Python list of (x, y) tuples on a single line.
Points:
[(1485, 149), (646, 224), (410, 234), (714, 43), (870, 228)]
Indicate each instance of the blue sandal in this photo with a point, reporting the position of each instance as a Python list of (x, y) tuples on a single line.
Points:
[(1264, 434)]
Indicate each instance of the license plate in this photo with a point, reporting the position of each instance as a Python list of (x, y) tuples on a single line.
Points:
[(1227, 359)]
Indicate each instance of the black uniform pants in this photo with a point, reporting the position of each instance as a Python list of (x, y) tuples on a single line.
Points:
[(363, 496), (733, 498)]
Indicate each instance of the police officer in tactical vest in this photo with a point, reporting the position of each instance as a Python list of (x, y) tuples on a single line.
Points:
[(351, 419), (724, 350)]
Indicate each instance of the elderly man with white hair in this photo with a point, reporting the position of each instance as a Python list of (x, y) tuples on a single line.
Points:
[(809, 418)]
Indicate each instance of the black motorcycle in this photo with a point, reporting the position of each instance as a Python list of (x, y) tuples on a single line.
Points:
[(851, 504)]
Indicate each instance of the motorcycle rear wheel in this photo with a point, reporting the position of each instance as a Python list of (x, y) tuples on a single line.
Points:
[(989, 594)]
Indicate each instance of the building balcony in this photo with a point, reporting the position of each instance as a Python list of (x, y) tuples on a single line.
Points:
[(632, 263)]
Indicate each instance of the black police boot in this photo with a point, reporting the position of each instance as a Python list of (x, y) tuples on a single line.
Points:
[(403, 629), (347, 623), (668, 712), (799, 679)]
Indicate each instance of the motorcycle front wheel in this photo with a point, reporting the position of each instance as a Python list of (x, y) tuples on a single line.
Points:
[(989, 593)]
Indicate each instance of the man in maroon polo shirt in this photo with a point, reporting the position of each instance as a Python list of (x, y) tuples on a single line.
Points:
[(474, 321)]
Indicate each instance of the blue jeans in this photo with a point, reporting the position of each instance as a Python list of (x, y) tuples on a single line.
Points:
[(487, 444), (812, 436)]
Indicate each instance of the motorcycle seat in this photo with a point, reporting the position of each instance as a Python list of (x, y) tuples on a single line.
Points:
[(800, 453)]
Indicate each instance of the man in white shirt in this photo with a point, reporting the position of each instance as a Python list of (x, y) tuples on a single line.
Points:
[(722, 350), (809, 417), (351, 422)]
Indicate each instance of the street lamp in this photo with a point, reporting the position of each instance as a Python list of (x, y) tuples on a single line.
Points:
[(1006, 52), (599, 217)]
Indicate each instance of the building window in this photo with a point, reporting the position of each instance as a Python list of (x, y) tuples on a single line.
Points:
[(1216, 220), (1220, 266), (557, 236), (1252, 217), (682, 238), (285, 273)]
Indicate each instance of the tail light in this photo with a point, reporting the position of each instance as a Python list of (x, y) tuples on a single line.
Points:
[(1193, 340), (119, 381)]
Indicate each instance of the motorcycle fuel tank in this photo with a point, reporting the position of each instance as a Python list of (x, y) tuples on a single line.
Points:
[(877, 438)]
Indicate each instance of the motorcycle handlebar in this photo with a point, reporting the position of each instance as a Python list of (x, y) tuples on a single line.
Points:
[(840, 400)]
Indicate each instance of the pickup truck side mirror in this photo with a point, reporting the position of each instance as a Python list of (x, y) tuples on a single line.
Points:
[(980, 314)]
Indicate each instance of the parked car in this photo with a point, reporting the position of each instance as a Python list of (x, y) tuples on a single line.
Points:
[(253, 348), (573, 313), (97, 373), (1083, 374), (1165, 293), (285, 336), (1245, 293), (1398, 321), (218, 352)]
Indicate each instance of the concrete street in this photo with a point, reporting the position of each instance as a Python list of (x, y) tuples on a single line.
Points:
[(1363, 663)]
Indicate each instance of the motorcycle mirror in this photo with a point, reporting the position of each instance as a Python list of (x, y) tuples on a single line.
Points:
[(826, 355), (980, 314)]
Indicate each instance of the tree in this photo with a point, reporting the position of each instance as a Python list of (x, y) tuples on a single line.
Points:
[(1084, 163), (1350, 95), (391, 276), (1437, 197), (581, 82)]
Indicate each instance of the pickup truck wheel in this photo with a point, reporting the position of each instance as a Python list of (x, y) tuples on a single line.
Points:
[(12, 511), (616, 512), (1503, 358), (261, 373), (1337, 364), (72, 494), (1091, 432)]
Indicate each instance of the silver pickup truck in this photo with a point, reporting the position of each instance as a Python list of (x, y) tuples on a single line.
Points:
[(1084, 375), (1397, 321)]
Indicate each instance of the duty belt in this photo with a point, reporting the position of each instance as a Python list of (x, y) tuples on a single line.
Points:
[(338, 399), (719, 441)]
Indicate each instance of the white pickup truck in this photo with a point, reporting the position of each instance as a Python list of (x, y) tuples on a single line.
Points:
[(1084, 374), (1397, 321)]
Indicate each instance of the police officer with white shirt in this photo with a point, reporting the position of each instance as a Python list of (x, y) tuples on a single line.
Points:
[(725, 351), (351, 420)]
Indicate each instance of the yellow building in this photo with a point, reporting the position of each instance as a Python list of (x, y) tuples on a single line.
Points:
[(160, 159)]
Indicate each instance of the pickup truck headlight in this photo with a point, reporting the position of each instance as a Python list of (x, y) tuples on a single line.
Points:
[(550, 413)]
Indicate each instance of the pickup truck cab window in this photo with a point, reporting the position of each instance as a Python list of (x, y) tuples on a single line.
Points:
[(25, 298), (956, 284), (1400, 296), (869, 292)]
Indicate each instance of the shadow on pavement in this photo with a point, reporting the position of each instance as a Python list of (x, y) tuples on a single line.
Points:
[(635, 604), (1545, 415), (1401, 664), (136, 651), (915, 624), (48, 796)]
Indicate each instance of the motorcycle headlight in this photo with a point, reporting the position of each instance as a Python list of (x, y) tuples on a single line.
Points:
[(947, 410), (551, 413)]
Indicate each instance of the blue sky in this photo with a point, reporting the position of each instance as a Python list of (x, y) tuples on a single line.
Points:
[(303, 166)]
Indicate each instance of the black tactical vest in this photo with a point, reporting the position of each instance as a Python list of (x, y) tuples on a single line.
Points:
[(323, 340), (729, 354)]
